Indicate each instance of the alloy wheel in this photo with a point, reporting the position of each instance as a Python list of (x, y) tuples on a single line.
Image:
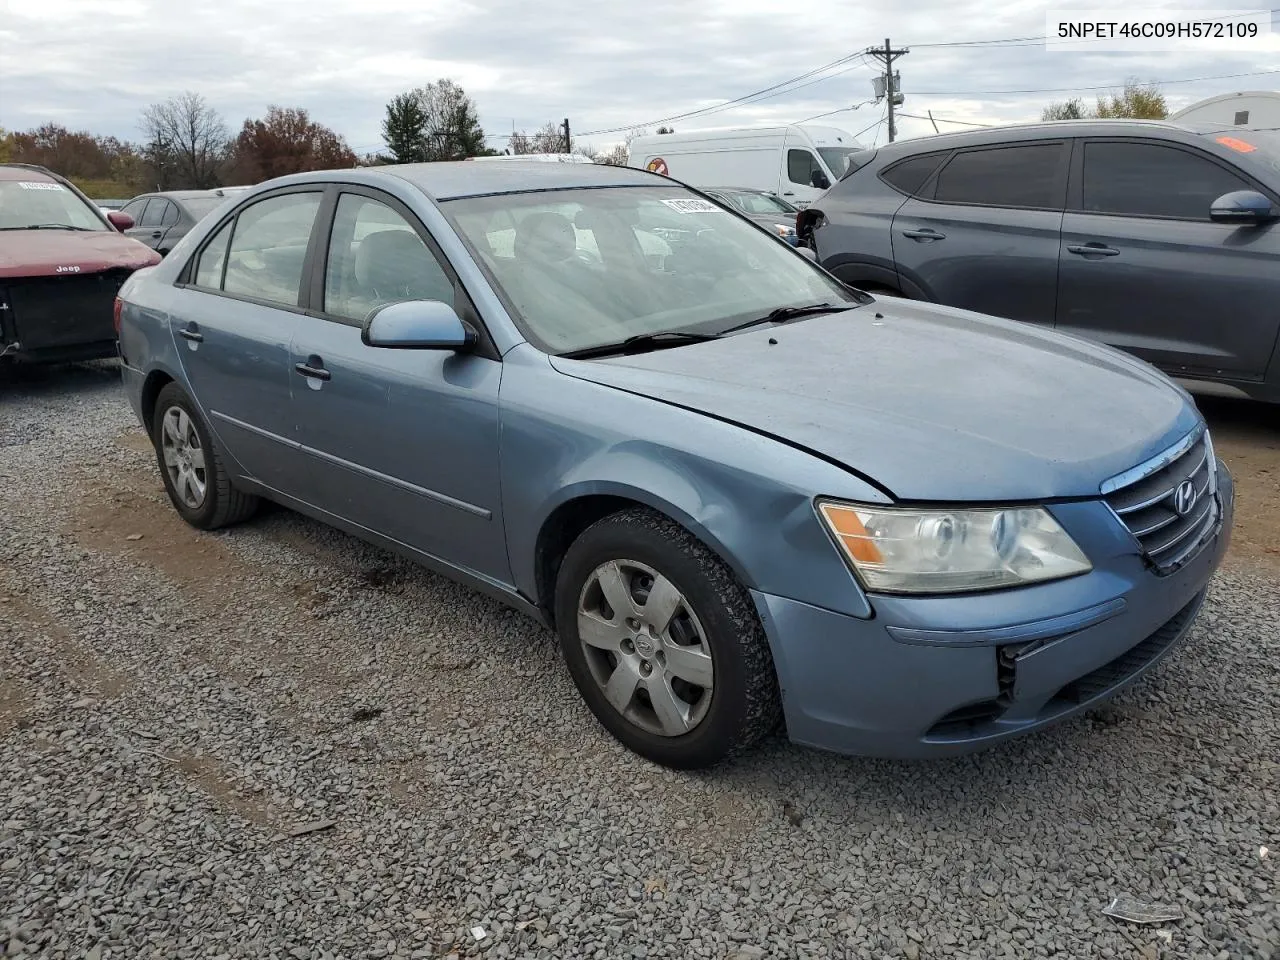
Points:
[(184, 457), (646, 648)]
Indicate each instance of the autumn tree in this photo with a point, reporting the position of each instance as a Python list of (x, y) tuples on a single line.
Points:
[(286, 141), (1067, 110), (1137, 101), (186, 142), (549, 138), (405, 128), (6, 146)]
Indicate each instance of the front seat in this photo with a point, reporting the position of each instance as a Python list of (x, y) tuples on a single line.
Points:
[(395, 265)]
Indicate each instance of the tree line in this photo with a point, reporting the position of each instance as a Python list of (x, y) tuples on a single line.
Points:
[(1137, 101), (186, 144)]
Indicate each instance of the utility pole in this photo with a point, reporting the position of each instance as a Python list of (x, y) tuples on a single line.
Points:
[(568, 142), (887, 55)]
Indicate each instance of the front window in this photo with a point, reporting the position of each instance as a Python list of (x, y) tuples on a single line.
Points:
[(581, 268), (44, 204)]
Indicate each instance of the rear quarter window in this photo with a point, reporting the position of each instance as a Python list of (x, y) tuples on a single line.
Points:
[(910, 175)]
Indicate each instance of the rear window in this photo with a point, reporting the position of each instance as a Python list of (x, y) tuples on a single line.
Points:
[(910, 175), (1029, 175)]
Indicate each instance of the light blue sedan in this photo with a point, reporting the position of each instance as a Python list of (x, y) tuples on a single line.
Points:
[(740, 492)]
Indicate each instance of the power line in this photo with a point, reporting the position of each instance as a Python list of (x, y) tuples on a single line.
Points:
[(819, 116), (1105, 86), (963, 123), (854, 60)]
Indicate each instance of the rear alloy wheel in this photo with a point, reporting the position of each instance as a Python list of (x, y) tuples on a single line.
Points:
[(663, 642), (195, 478)]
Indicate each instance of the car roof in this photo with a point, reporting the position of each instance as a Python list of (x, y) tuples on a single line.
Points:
[(25, 171), (742, 190), (452, 180), (1044, 130)]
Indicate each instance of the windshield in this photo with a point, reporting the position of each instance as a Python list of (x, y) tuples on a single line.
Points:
[(32, 203), (759, 203), (200, 207), (582, 268), (837, 158)]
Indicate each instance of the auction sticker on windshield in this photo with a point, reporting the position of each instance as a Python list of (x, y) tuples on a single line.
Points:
[(37, 185), (692, 205)]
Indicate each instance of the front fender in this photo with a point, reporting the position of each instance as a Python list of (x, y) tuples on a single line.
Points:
[(747, 496)]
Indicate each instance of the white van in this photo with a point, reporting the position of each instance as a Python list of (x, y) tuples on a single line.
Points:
[(794, 161)]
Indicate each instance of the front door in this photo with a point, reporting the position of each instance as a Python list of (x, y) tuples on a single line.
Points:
[(982, 234), (239, 309), (1143, 268), (800, 165), (401, 442)]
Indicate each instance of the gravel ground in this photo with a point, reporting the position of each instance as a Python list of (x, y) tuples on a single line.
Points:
[(276, 741)]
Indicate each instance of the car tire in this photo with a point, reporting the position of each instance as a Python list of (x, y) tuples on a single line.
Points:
[(701, 650), (192, 466)]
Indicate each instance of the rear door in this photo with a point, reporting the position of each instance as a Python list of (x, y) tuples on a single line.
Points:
[(239, 302), (983, 231), (1143, 268), (401, 442)]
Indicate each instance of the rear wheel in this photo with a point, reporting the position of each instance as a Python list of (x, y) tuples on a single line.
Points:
[(664, 643), (195, 478)]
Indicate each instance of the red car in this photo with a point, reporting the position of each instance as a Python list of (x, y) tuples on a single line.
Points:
[(61, 263)]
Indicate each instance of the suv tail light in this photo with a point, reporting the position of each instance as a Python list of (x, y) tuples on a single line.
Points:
[(116, 308)]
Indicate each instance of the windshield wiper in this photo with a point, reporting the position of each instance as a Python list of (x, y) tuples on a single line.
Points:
[(48, 226), (783, 314), (641, 343)]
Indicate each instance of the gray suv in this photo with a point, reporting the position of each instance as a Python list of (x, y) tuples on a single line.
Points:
[(1157, 238)]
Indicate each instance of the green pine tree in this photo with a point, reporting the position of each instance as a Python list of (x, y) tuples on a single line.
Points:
[(405, 129)]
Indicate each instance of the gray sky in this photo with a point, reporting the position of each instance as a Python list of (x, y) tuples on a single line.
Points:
[(94, 64)]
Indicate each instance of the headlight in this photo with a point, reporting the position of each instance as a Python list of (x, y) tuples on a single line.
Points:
[(785, 230), (949, 551)]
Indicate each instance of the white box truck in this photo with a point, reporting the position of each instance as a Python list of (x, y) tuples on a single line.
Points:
[(795, 161)]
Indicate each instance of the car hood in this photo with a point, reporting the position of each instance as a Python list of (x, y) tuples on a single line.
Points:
[(46, 253), (929, 402)]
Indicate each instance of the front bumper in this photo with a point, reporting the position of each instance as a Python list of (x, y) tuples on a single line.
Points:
[(934, 676)]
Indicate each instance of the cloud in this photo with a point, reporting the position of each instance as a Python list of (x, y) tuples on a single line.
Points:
[(95, 64)]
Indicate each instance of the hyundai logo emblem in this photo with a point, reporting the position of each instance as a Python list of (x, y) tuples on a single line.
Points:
[(1184, 498)]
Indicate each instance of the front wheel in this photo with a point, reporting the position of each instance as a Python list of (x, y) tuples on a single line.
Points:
[(664, 643)]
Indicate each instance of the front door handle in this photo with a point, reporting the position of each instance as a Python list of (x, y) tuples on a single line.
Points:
[(313, 369), (1093, 250), (191, 332), (924, 235)]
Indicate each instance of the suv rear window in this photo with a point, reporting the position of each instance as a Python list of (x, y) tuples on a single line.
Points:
[(1028, 175), (909, 175)]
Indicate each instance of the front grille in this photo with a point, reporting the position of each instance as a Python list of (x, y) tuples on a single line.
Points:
[(1146, 503), (49, 312)]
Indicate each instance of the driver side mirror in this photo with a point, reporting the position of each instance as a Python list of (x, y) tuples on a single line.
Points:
[(120, 220), (1242, 206), (819, 180), (418, 325)]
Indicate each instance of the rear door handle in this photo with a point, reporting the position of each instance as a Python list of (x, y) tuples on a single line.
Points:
[(1093, 250), (924, 235), (313, 369), (157, 234), (191, 332)]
